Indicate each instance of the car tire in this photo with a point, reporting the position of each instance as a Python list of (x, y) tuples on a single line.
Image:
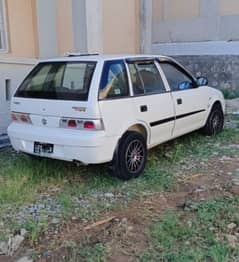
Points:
[(130, 156), (215, 121)]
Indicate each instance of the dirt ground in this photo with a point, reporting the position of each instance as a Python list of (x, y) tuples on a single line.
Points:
[(124, 231)]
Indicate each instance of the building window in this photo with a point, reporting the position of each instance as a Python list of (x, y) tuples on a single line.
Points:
[(3, 33)]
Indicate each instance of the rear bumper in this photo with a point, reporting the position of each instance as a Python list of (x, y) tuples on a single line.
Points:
[(88, 147)]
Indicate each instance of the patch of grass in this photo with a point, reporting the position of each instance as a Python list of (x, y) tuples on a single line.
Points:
[(22, 179), (34, 230), (230, 94), (176, 238), (87, 253), (218, 213), (66, 203)]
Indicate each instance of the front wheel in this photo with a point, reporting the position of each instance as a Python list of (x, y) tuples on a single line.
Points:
[(130, 157), (215, 121)]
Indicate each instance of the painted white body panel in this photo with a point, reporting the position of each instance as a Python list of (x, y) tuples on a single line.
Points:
[(118, 116), (160, 106), (193, 100), (69, 145)]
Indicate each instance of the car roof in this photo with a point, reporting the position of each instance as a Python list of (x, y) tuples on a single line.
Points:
[(99, 58)]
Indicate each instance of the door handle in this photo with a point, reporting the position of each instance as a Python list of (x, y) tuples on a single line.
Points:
[(179, 101), (143, 108)]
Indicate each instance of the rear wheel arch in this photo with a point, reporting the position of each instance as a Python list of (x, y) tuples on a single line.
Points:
[(139, 128), (118, 164)]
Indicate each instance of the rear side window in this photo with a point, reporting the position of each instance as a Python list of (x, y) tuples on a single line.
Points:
[(146, 78), (114, 81), (63, 81)]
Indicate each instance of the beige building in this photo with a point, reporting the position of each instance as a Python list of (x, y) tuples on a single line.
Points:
[(37, 29)]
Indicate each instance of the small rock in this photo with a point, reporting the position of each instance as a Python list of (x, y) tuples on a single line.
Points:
[(109, 195), (55, 221), (41, 206), (130, 228), (46, 254), (189, 206), (232, 240), (25, 259), (124, 221), (212, 229), (200, 189), (3, 248), (232, 226), (74, 218), (23, 232), (14, 243), (234, 190), (225, 158), (235, 182)]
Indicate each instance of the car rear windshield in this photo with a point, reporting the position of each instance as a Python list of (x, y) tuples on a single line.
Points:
[(58, 80)]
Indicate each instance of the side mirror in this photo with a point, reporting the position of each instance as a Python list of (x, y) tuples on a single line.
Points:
[(202, 81), (185, 85)]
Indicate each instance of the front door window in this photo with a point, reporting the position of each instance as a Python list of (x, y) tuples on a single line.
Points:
[(177, 80), (146, 78)]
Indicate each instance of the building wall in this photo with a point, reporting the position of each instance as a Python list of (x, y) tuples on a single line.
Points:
[(203, 36), (23, 28), (21, 25), (15, 73), (195, 20), (64, 26), (21, 54), (29, 23), (222, 71), (121, 26)]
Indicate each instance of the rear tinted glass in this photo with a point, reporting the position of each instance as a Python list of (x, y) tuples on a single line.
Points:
[(63, 81)]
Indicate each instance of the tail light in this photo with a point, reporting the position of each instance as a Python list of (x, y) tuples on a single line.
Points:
[(82, 124), (89, 125), (21, 118)]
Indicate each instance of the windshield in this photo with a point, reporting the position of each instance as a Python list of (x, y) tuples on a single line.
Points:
[(58, 80)]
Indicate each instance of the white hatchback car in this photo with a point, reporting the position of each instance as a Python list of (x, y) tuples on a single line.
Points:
[(95, 109)]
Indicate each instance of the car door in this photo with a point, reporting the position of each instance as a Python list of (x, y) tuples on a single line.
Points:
[(114, 98), (153, 104), (190, 100)]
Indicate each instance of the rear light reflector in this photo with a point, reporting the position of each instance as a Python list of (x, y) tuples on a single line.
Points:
[(14, 117), (72, 124), (24, 118), (21, 118), (89, 125), (82, 124)]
